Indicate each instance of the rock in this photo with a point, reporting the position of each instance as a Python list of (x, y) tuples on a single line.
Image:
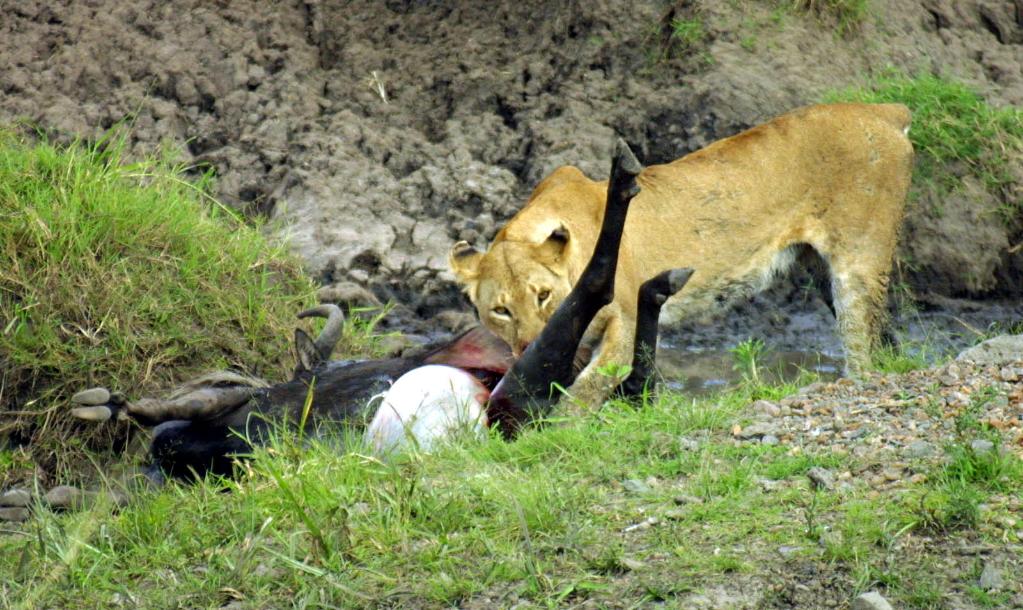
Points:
[(769, 439), (1010, 373), (14, 513), (998, 350), (15, 497), (636, 486), (766, 408), (688, 444), (632, 564), (872, 600), (982, 446), (65, 497), (788, 551), (919, 449), (684, 499), (755, 430), (821, 478), (990, 578)]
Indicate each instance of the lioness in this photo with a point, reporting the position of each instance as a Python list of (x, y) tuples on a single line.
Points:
[(829, 177)]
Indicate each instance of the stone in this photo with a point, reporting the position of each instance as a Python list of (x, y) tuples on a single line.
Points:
[(982, 446), (822, 478), (14, 513), (788, 551), (919, 449), (997, 350), (755, 431), (871, 600), (15, 497), (769, 439), (636, 486), (990, 578), (64, 497), (687, 444), (632, 564), (767, 408)]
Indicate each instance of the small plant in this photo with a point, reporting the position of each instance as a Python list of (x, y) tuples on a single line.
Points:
[(747, 356), (848, 14), (687, 33), (901, 358)]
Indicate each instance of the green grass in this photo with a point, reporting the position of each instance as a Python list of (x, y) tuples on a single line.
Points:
[(127, 275), (848, 15), (544, 519), (952, 126), (687, 33)]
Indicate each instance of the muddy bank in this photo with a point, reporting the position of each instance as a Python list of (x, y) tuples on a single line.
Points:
[(375, 134)]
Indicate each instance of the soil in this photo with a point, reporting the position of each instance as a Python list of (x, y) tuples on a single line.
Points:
[(375, 134)]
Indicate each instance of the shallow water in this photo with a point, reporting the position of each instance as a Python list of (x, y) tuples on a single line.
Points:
[(801, 337), (706, 371)]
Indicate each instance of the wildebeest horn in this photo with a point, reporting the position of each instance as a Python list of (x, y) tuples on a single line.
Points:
[(331, 332)]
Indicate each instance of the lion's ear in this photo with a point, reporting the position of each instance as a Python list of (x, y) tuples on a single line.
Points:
[(553, 248), (464, 261)]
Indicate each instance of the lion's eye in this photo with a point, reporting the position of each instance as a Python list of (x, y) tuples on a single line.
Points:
[(542, 296), (502, 312)]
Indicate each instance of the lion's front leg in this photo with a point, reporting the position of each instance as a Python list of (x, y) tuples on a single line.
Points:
[(607, 368)]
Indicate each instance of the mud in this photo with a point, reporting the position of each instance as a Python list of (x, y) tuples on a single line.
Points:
[(375, 134)]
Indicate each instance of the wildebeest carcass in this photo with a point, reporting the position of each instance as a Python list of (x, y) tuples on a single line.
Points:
[(208, 423)]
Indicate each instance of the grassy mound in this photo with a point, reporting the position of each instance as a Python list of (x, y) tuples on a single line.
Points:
[(953, 125), (129, 276)]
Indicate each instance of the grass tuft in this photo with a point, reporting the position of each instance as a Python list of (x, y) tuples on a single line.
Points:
[(849, 15), (126, 275), (952, 127)]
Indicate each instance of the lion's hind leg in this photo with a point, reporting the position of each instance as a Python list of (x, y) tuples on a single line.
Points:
[(860, 288)]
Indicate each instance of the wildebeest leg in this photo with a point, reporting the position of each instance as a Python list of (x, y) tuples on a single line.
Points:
[(196, 404), (528, 388), (652, 295), (189, 450)]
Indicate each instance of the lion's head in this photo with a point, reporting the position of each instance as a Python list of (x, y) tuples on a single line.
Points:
[(516, 285)]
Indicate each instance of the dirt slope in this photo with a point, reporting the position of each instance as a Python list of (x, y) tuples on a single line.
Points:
[(377, 133)]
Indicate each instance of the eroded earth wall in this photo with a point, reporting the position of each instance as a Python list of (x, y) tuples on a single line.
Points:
[(375, 134)]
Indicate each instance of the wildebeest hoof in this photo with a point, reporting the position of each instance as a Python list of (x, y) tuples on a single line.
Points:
[(92, 397), (100, 413)]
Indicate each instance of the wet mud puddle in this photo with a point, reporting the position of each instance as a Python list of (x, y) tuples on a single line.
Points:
[(697, 359)]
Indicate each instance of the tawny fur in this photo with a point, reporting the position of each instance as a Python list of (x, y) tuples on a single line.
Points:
[(833, 177)]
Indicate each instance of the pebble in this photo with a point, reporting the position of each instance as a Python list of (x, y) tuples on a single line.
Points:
[(687, 444), (755, 431), (872, 600), (919, 449), (636, 486), (788, 552), (822, 478), (990, 578), (686, 499), (632, 564), (982, 446), (767, 408)]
